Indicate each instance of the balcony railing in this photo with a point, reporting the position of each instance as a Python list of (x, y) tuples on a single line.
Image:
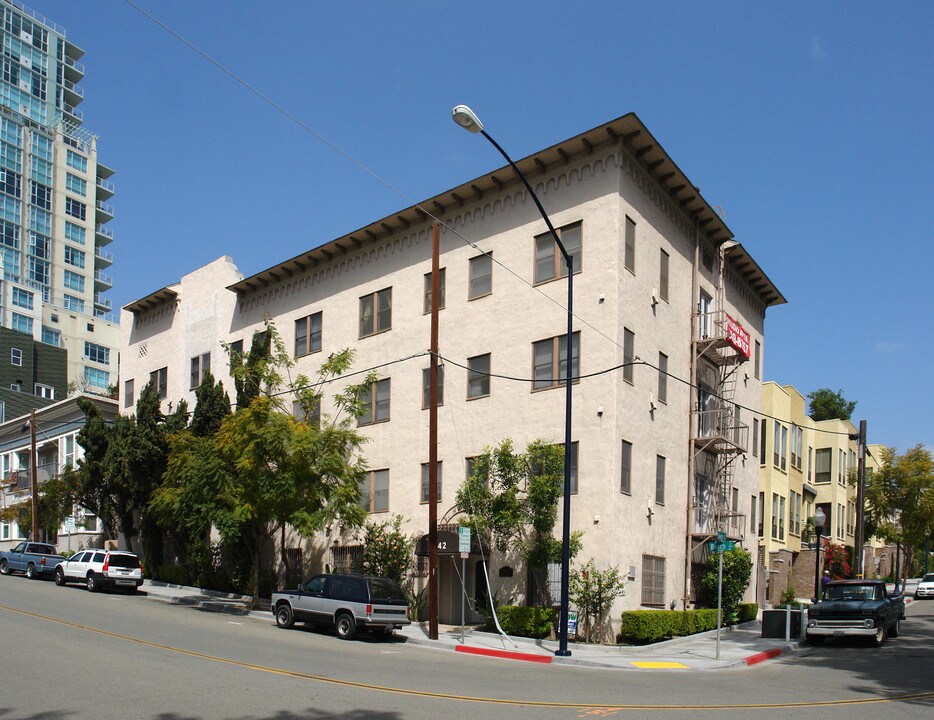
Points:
[(104, 255), (720, 338), (103, 279), (720, 429), (103, 303), (105, 208), (21, 479)]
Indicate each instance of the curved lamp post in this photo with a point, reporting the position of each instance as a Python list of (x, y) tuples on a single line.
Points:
[(819, 519), (467, 119)]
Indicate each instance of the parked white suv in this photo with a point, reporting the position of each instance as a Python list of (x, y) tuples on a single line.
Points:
[(101, 568)]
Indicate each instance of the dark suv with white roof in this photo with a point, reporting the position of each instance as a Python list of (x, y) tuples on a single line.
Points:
[(100, 569)]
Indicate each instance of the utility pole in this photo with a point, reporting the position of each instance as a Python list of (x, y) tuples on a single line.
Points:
[(860, 499), (433, 439), (35, 476)]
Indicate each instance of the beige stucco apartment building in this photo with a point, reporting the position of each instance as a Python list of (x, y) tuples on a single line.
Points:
[(662, 447)]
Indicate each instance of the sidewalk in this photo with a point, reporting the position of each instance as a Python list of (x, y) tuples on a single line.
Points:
[(740, 646)]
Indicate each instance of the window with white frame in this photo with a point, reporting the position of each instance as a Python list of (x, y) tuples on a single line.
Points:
[(44, 391), (74, 257), (95, 377), (96, 353), (21, 323), (23, 298), (16, 357)]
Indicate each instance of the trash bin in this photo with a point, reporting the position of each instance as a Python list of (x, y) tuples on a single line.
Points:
[(773, 623)]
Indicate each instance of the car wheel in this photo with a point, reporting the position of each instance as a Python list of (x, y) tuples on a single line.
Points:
[(878, 640), (59, 577), (895, 630), (816, 639), (31, 571), (132, 590), (346, 627), (93, 584), (284, 617), (4, 567)]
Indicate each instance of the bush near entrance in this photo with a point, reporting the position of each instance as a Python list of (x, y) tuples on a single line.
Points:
[(522, 621), (648, 626)]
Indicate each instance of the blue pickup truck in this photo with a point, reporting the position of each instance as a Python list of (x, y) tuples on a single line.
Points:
[(31, 558)]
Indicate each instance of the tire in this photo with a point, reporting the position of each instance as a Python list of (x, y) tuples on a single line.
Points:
[(816, 639), (31, 571), (878, 640), (284, 618), (4, 567), (132, 590), (93, 583), (59, 577), (895, 630), (345, 625)]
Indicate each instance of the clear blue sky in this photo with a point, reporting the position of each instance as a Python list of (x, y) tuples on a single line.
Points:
[(808, 123)]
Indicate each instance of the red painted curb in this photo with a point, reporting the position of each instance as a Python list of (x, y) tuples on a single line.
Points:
[(503, 654), (760, 657)]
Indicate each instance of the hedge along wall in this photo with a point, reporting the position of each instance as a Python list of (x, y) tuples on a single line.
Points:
[(646, 626)]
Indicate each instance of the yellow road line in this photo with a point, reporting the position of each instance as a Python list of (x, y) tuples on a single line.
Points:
[(661, 665), (466, 698)]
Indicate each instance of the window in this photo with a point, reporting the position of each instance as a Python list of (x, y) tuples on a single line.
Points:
[(426, 387), (659, 480), (794, 445), (762, 437), (160, 381), (822, 471), (74, 281), (758, 360), (10, 182), (43, 391), (573, 464), (97, 353), (755, 437), (478, 376), (376, 403), (784, 447), (75, 209), (73, 303), (76, 161), (74, 256), (470, 465), (629, 259), (22, 298), (40, 196), (427, 293), (810, 462), (76, 185), (841, 468), (761, 513), (663, 378), (300, 413), (629, 355), (425, 485), (549, 373), (308, 334), (51, 337), (376, 312), (663, 275), (236, 347), (653, 580), (97, 378), (839, 521), (16, 387), (374, 491), (625, 468), (774, 516), (752, 514), (549, 262), (128, 394), (16, 357), (74, 233), (21, 323), (780, 446), (200, 364), (481, 277)]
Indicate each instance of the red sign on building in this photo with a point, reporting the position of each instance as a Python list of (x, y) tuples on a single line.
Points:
[(737, 337)]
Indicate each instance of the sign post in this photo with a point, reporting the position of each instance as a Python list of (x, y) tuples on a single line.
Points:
[(463, 546), (719, 546)]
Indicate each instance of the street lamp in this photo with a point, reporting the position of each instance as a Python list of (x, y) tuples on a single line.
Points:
[(819, 519), (467, 119)]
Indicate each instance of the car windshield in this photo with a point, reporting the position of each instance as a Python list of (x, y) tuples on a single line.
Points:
[(850, 592), (383, 589), (928, 578)]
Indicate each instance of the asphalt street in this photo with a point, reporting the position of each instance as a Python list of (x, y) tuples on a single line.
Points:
[(70, 654)]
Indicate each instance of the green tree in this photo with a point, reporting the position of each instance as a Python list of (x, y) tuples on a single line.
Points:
[(737, 569), (593, 591), (387, 551), (513, 499), (900, 500), (825, 404), (254, 369), (56, 503), (212, 405)]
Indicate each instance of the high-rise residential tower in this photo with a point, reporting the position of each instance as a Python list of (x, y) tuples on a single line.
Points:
[(53, 202)]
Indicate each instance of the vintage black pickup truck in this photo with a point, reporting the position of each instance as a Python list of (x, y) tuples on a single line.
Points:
[(856, 608)]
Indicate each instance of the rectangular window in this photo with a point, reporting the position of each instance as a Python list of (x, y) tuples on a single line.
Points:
[(755, 437), (758, 361), (470, 465), (659, 480), (784, 448), (839, 521), (549, 262), (478, 376), (308, 334), (663, 378), (629, 259), (97, 378), (76, 161), (481, 276), (752, 514), (427, 293), (794, 447), (426, 387), (23, 298), (74, 233), (75, 209), (774, 516), (663, 261), (200, 364), (51, 337), (425, 485), (781, 518), (73, 256), (376, 312), (97, 353), (40, 196), (72, 303), (74, 281), (160, 382), (629, 355), (549, 361), (21, 323), (128, 394), (10, 183), (76, 185), (43, 391), (16, 357), (653, 580), (763, 434), (376, 403), (810, 462), (822, 470), (761, 513), (625, 468), (841, 468), (374, 491)]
